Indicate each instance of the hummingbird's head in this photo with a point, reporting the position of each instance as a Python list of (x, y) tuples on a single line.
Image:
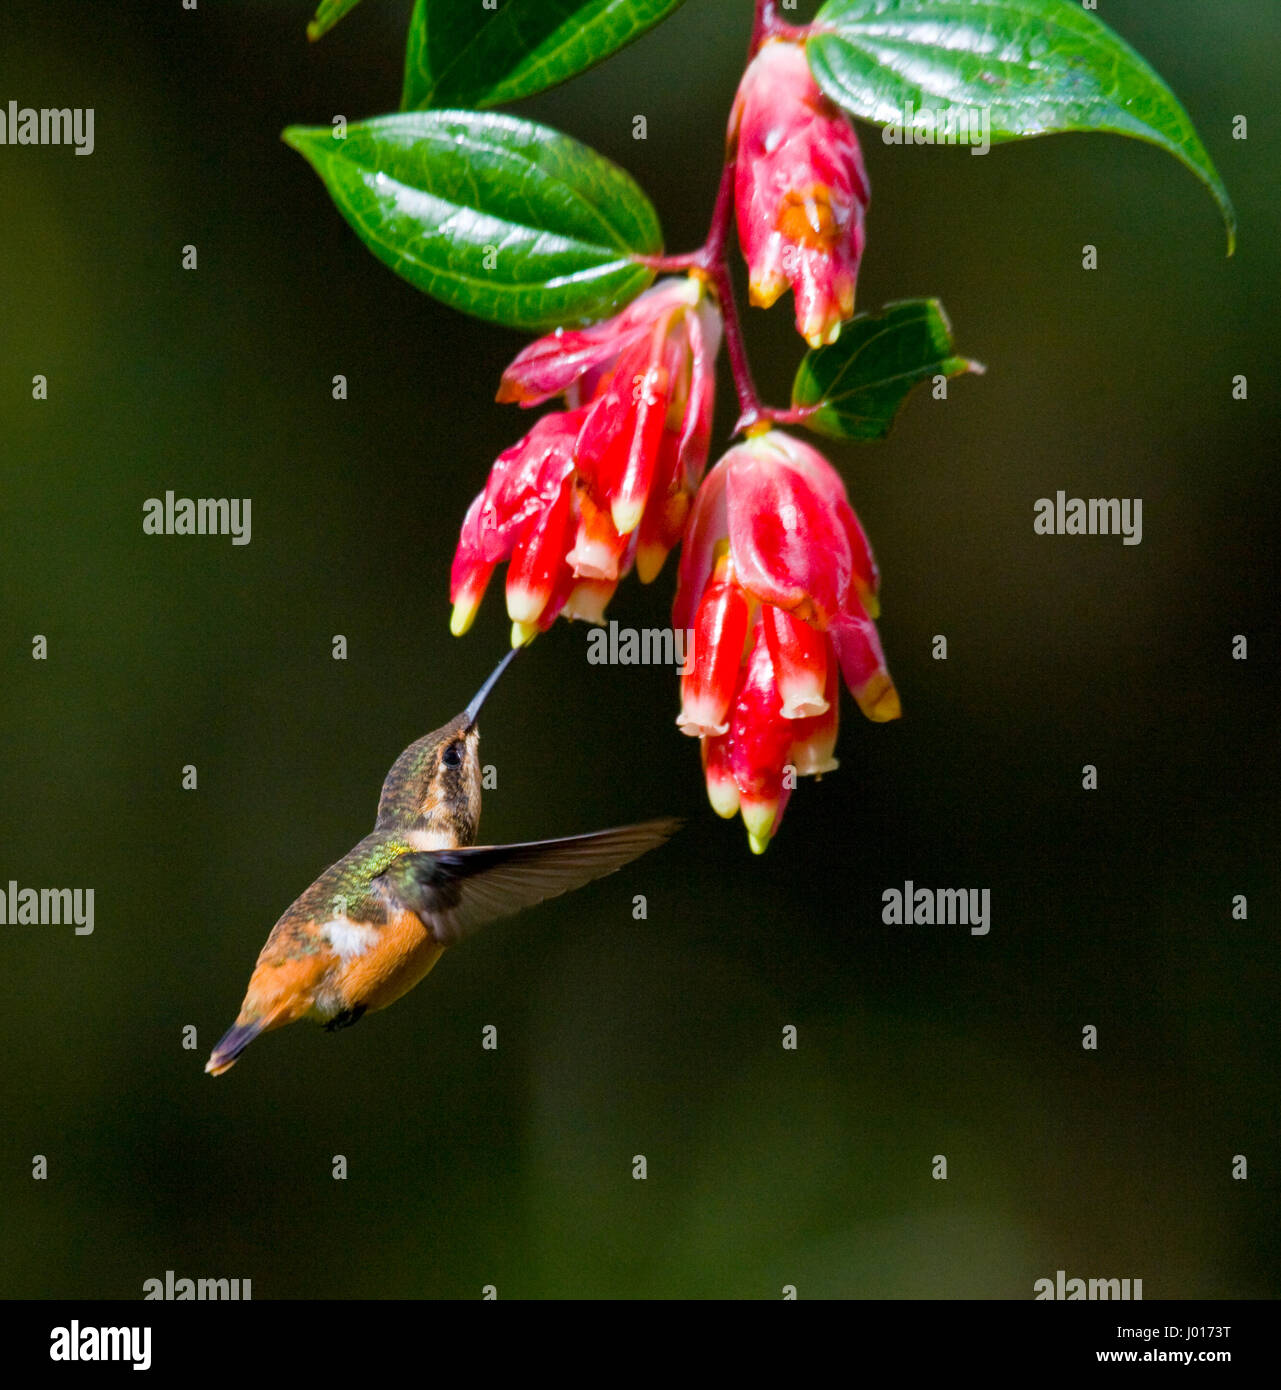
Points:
[(435, 784)]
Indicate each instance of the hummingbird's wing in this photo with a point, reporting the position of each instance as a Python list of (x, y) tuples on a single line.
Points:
[(454, 891)]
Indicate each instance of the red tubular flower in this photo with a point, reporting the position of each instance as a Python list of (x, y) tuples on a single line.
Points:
[(721, 628), (778, 584), (607, 483), (760, 746), (799, 656), (814, 740), (800, 191), (527, 505)]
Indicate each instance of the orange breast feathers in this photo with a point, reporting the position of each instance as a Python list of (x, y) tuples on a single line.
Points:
[(393, 963)]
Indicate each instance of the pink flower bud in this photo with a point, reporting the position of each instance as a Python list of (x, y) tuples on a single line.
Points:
[(814, 739), (537, 559), (469, 575), (527, 481), (799, 655), (722, 790), (760, 742), (800, 191), (720, 632)]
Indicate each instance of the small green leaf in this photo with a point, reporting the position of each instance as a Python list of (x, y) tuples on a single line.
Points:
[(499, 217), (858, 383), (461, 54), (1035, 66), (328, 13)]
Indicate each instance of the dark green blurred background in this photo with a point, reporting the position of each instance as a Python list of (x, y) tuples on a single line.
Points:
[(618, 1037)]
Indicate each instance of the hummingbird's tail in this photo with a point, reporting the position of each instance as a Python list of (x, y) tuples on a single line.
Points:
[(280, 991), (232, 1044)]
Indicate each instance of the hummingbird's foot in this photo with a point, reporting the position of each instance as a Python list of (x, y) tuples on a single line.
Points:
[(345, 1019)]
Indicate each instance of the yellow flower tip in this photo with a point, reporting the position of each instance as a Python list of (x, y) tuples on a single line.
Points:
[(757, 430), (626, 515), (464, 614), (724, 798), (523, 634), (765, 290), (524, 606), (758, 817), (880, 702), (821, 333), (513, 393), (757, 844), (649, 562), (871, 604)]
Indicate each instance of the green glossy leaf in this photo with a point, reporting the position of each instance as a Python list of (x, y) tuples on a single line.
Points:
[(328, 13), (461, 54), (861, 380), (1035, 66), (499, 217)]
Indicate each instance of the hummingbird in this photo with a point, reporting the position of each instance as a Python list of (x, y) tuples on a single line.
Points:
[(373, 924)]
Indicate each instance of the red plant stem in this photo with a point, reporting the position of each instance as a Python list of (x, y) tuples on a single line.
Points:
[(797, 415), (750, 410), (672, 265), (712, 258), (769, 26), (714, 263)]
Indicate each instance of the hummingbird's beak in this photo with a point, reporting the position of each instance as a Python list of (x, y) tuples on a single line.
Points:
[(472, 711)]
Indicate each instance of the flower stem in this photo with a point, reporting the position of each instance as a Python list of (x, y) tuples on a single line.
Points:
[(761, 21), (713, 261), (671, 265), (769, 26), (796, 415), (749, 405)]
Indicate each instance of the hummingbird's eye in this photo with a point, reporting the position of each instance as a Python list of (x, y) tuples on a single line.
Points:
[(453, 755)]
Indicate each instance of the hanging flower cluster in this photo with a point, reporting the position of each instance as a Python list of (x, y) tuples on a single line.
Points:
[(607, 483), (778, 585), (777, 582)]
